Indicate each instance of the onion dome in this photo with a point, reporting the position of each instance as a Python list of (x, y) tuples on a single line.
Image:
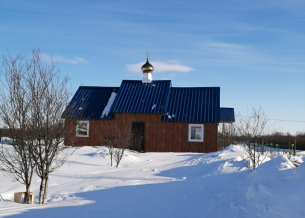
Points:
[(147, 67)]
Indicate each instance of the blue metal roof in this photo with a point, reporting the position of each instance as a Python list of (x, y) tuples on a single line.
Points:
[(89, 103), (226, 115), (200, 104), (137, 97), (193, 105)]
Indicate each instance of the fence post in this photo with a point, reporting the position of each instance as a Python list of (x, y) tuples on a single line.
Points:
[(295, 146)]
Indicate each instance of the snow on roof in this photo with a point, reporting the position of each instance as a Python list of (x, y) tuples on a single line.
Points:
[(89, 102), (109, 104)]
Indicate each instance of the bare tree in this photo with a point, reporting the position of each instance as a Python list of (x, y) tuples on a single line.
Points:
[(122, 142), (118, 155), (108, 140), (49, 99), (253, 133), (46, 95), (110, 152), (109, 130), (117, 138), (15, 103)]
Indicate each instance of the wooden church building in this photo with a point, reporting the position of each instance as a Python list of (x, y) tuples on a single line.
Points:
[(169, 119)]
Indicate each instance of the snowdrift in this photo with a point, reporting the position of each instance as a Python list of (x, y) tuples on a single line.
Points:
[(215, 184)]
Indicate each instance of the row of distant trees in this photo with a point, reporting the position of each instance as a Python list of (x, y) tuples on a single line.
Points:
[(281, 138), (227, 135), (33, 97)]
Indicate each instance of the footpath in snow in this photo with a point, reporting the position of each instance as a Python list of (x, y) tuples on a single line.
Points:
[(215, 184)]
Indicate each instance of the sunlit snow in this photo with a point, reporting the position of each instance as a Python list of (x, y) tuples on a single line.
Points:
[(216, 184)]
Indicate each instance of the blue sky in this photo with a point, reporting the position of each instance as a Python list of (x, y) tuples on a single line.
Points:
[(253, 50)]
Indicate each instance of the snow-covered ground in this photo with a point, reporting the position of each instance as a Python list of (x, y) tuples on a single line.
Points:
[(165, 185)]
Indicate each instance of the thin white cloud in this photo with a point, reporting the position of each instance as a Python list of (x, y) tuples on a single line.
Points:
[(252, 28), (73, 60), (224, 52), (161, 67), (226, 48)]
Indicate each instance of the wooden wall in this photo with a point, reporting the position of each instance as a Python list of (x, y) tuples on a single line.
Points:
[(159, 136)]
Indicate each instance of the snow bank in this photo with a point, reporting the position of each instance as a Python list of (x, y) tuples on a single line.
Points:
[(215, 184)]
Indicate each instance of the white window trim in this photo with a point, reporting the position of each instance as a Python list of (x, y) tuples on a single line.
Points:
[(87, 122), (190, 132)]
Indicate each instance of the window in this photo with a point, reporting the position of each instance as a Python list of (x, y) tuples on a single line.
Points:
[(82, 129), (196, 132)]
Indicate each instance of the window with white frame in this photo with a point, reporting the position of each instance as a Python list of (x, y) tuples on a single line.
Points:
[(82, 129), (196, 132)]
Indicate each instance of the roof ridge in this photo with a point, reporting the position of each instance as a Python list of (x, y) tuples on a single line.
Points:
[(209, 87), (127, 80), (100, 87)]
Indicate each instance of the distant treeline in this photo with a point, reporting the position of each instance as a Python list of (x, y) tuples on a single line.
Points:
[(4, 132), (225, 139), (288, 139)]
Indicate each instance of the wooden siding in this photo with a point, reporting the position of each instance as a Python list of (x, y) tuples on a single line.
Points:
[(159, 136)]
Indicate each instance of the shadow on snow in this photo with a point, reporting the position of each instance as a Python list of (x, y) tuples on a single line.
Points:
[(201, 189)]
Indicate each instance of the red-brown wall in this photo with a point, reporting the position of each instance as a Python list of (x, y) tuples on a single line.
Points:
[(159, 136)]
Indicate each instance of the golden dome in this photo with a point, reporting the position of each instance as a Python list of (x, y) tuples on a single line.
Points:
[(147, 67)]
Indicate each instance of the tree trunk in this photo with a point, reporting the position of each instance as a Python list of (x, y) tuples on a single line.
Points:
[(45, 194), (41, 190), (27, 195), (111, 159)]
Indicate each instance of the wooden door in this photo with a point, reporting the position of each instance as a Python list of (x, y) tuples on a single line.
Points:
[(138, 133)]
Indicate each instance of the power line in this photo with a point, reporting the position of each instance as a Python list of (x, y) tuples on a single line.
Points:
[(296, 121)]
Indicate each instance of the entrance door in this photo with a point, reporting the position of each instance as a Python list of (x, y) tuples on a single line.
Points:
[(138, 140)]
